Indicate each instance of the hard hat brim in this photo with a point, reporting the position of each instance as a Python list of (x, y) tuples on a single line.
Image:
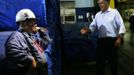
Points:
[(30, 19)]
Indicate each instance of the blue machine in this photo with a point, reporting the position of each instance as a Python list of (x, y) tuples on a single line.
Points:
[(77, 47)]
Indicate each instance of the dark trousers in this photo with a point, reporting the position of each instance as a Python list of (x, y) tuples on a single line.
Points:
[(15, 72), (106, 51), (40, 71), (21, 71)]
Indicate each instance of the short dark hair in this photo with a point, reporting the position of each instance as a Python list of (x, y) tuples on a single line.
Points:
[(107, 0)]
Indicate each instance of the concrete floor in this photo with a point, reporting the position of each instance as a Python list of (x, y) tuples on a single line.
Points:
[(126, 61)]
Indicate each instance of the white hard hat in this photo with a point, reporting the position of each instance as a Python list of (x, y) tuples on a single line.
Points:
[(25, 14)]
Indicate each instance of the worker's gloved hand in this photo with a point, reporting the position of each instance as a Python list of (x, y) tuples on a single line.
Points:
[(34, 64), (35, 28), (84, 30)]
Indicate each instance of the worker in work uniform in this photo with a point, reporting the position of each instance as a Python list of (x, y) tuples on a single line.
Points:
[(109, 24), (25, 47)]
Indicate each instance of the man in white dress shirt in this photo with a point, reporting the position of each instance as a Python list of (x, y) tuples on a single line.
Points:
[(109, 24)]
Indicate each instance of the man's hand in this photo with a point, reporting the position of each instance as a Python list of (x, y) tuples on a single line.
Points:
[(118, 42), (84, 30)]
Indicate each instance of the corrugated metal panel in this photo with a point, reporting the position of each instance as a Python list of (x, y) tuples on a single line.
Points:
[(84, 3)]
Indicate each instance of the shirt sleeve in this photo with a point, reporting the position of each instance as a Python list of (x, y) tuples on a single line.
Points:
[(45, 39), (119, 23), (93, 25), (16, 52)]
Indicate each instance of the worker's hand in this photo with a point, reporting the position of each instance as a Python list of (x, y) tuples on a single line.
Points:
[(84, 30), (118, 42), (35, 28), (34, 64)]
